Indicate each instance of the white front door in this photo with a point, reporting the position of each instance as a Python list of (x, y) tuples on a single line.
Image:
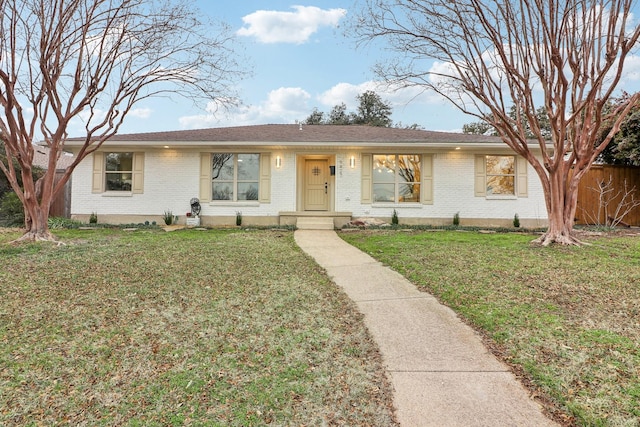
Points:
[(316, 188)]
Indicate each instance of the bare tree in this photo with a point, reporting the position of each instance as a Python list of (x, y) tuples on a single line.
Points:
[(614, 203), (64, 60), (492, 56)]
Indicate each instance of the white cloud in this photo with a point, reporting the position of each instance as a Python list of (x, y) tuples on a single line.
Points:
[(631, 71), (397, 96), (283, 105), (346, 93), (269, 26), (286, 100), (140, 113), (291, 104)]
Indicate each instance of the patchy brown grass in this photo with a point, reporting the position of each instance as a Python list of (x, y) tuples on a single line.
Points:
[(566, 318), (183, 328)]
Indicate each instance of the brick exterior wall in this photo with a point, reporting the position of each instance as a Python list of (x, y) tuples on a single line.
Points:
[(171, 179)]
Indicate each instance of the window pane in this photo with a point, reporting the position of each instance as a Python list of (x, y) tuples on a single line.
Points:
[(409, 193), (248, 191), (119, 162), (501, 185), (222, 167), (383, 169), (248, 167), (500, 165), (384, 192), (409, 168), (222, 191), (118, 181)]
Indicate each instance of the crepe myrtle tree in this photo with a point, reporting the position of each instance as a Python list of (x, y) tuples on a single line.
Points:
[(94, 60), (490, 57)]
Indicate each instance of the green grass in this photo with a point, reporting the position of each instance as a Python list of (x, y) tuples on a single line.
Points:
[(149, 328), (569, 317)]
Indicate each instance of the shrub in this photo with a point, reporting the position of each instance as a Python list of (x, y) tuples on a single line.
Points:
[(168, 217), (93, 218), (60, 222), (238, 218), (516, 221), (456, 219), (394, 218), (11, 210)]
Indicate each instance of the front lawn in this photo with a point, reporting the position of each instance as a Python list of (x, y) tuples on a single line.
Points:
[(568, 318), (148, 328)]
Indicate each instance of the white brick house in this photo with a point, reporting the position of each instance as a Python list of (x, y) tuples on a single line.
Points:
[(275, 174)]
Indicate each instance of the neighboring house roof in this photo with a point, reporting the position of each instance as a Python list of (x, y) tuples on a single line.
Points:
[(288, 135), (41, 158)]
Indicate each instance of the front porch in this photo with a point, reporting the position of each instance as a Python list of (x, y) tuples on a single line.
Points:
[(315, 220)]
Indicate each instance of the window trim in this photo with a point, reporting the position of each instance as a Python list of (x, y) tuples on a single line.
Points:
[(264, 179), (426, 180), (520, 177), (234, 181), (100, 173)]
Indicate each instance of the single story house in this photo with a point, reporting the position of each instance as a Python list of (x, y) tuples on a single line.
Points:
[(276, 174)]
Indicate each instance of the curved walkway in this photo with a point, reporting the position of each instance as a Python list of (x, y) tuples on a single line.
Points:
[(441, 372)]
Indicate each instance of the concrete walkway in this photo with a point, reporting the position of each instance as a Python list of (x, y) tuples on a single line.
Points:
[(441, 372)]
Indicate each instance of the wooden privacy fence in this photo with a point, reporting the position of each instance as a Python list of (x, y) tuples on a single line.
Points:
[(61, 206), (603, 193)]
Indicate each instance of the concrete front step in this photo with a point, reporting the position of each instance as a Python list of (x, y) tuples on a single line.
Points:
[(314, 223)]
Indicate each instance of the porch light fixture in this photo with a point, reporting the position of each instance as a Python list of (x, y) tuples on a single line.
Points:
[(278, 162), (352, 162)]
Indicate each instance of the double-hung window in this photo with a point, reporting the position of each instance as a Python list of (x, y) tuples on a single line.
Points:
[(396, 178), (118, 171), (235, 177), (500, 176)]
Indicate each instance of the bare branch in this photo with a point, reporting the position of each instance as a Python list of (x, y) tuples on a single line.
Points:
[(96, 59), (487, 57)]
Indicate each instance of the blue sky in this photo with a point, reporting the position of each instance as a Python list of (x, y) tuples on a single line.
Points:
[(300, 59)]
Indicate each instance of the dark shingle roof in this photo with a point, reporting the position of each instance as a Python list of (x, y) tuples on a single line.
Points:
[(305, 133)]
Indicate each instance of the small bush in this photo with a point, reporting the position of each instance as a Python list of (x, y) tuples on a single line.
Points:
[(168, 217), (11, 210), (60, 222), (93, 218), (238, 218), (516, 221), (394, 218), (456, 219)]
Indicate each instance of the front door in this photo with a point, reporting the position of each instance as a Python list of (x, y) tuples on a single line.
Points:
[(316, 188)]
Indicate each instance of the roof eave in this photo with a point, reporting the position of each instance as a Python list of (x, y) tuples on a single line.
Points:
[(272, 145)]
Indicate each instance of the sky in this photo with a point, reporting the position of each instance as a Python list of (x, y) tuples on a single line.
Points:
[(300, 59)]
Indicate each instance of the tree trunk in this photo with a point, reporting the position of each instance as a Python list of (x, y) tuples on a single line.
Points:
[(36, 214), (37, 226), (562, 201)]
